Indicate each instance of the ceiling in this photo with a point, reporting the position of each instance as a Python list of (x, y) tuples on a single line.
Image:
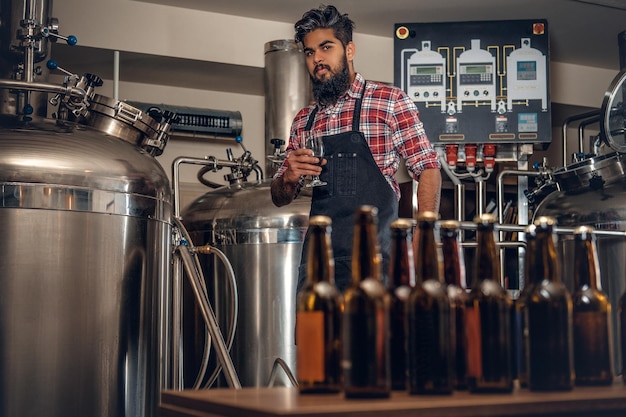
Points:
[(581, 32)]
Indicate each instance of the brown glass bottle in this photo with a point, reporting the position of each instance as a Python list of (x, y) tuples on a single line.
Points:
[(593, 353), (520, 306), (365, 340), (488, 318), (428, 319), (549, 316), (318, 316), (401, 280), (454, 277)]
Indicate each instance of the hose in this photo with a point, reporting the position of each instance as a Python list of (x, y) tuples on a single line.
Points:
[(188, 255)]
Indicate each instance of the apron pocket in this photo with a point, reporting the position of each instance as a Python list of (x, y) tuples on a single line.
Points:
[(344, 174)]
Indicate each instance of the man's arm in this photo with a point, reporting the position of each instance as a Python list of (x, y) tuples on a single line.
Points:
[(429, 190), (428, 197)]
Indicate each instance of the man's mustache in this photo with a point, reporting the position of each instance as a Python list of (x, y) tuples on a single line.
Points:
[(320, 67)]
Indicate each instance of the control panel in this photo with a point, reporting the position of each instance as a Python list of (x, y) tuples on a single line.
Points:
[(477, 82)]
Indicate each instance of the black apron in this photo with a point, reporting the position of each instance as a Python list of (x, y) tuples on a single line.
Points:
[(354, 179)]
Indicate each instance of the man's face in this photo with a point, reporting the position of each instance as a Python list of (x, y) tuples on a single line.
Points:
[(325, 54), (328, 65)]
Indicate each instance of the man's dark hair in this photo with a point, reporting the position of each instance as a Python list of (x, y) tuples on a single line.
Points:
[(325, 17)]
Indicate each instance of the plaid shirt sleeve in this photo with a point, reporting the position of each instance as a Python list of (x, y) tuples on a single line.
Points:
[(409, 137)]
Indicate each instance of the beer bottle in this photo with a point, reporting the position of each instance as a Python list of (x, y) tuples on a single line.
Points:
[(454, 277), (549, 317), (488, 318), (428, 318), (520, 305), (401, 280), (365, 361), (593, 362), (318, 316)]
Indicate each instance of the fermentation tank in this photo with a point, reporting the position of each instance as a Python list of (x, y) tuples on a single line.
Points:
[(593, 192), (85, 211), (85, 219), (263, 242)]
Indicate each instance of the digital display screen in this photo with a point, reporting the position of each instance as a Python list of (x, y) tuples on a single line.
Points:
[(424, 70), (476, 69), (527, 70)]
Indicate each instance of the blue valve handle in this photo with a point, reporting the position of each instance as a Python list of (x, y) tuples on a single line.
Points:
[(71, 40), (52, 65)]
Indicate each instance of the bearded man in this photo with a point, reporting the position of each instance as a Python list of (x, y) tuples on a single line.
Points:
[(367, 128)]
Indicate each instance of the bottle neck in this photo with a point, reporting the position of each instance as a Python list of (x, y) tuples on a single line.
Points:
[(366, 258), (453, 266), (319, 260), (487, 262), (544, 264), (401, 266), (585, 264)]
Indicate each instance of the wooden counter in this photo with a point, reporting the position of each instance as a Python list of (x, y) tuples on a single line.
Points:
[(287, 402)]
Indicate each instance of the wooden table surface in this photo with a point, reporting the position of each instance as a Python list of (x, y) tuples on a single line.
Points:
[(287, 402)]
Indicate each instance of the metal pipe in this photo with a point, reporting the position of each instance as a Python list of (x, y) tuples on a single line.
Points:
[(177, 325), (234, 309), (280, 363), (42, 87), (558, 230), (459, 200), (500, 183), (116, 74), (581, 132), (176, 178), (195, 279), (481, 195), (564, 129)]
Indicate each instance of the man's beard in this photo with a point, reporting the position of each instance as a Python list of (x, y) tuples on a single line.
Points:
[(327, 92)]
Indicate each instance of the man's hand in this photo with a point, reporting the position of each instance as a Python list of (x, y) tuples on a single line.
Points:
[(299, 163)]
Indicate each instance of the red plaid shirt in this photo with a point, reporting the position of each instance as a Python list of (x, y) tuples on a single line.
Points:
[(389, 121)]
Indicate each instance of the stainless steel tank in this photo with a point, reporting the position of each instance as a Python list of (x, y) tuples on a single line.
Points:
[(593, 192), (86, 220), (287, 90), (583, 200), (263, 244)]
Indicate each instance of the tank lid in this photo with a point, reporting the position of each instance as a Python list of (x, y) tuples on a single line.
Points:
[(79, 157), (282, 45)]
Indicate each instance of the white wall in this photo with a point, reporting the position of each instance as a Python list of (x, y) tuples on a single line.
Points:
[(135, 26)]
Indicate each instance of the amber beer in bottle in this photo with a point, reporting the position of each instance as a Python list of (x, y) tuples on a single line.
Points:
[(428, 318), (549, 316), (488, 318), (401, 280), (365, 361), (454, 277), (318, 316), (593, 360)]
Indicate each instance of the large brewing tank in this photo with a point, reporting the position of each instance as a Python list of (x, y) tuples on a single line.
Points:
[(593, 192), (263, 244), (86, 223)]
